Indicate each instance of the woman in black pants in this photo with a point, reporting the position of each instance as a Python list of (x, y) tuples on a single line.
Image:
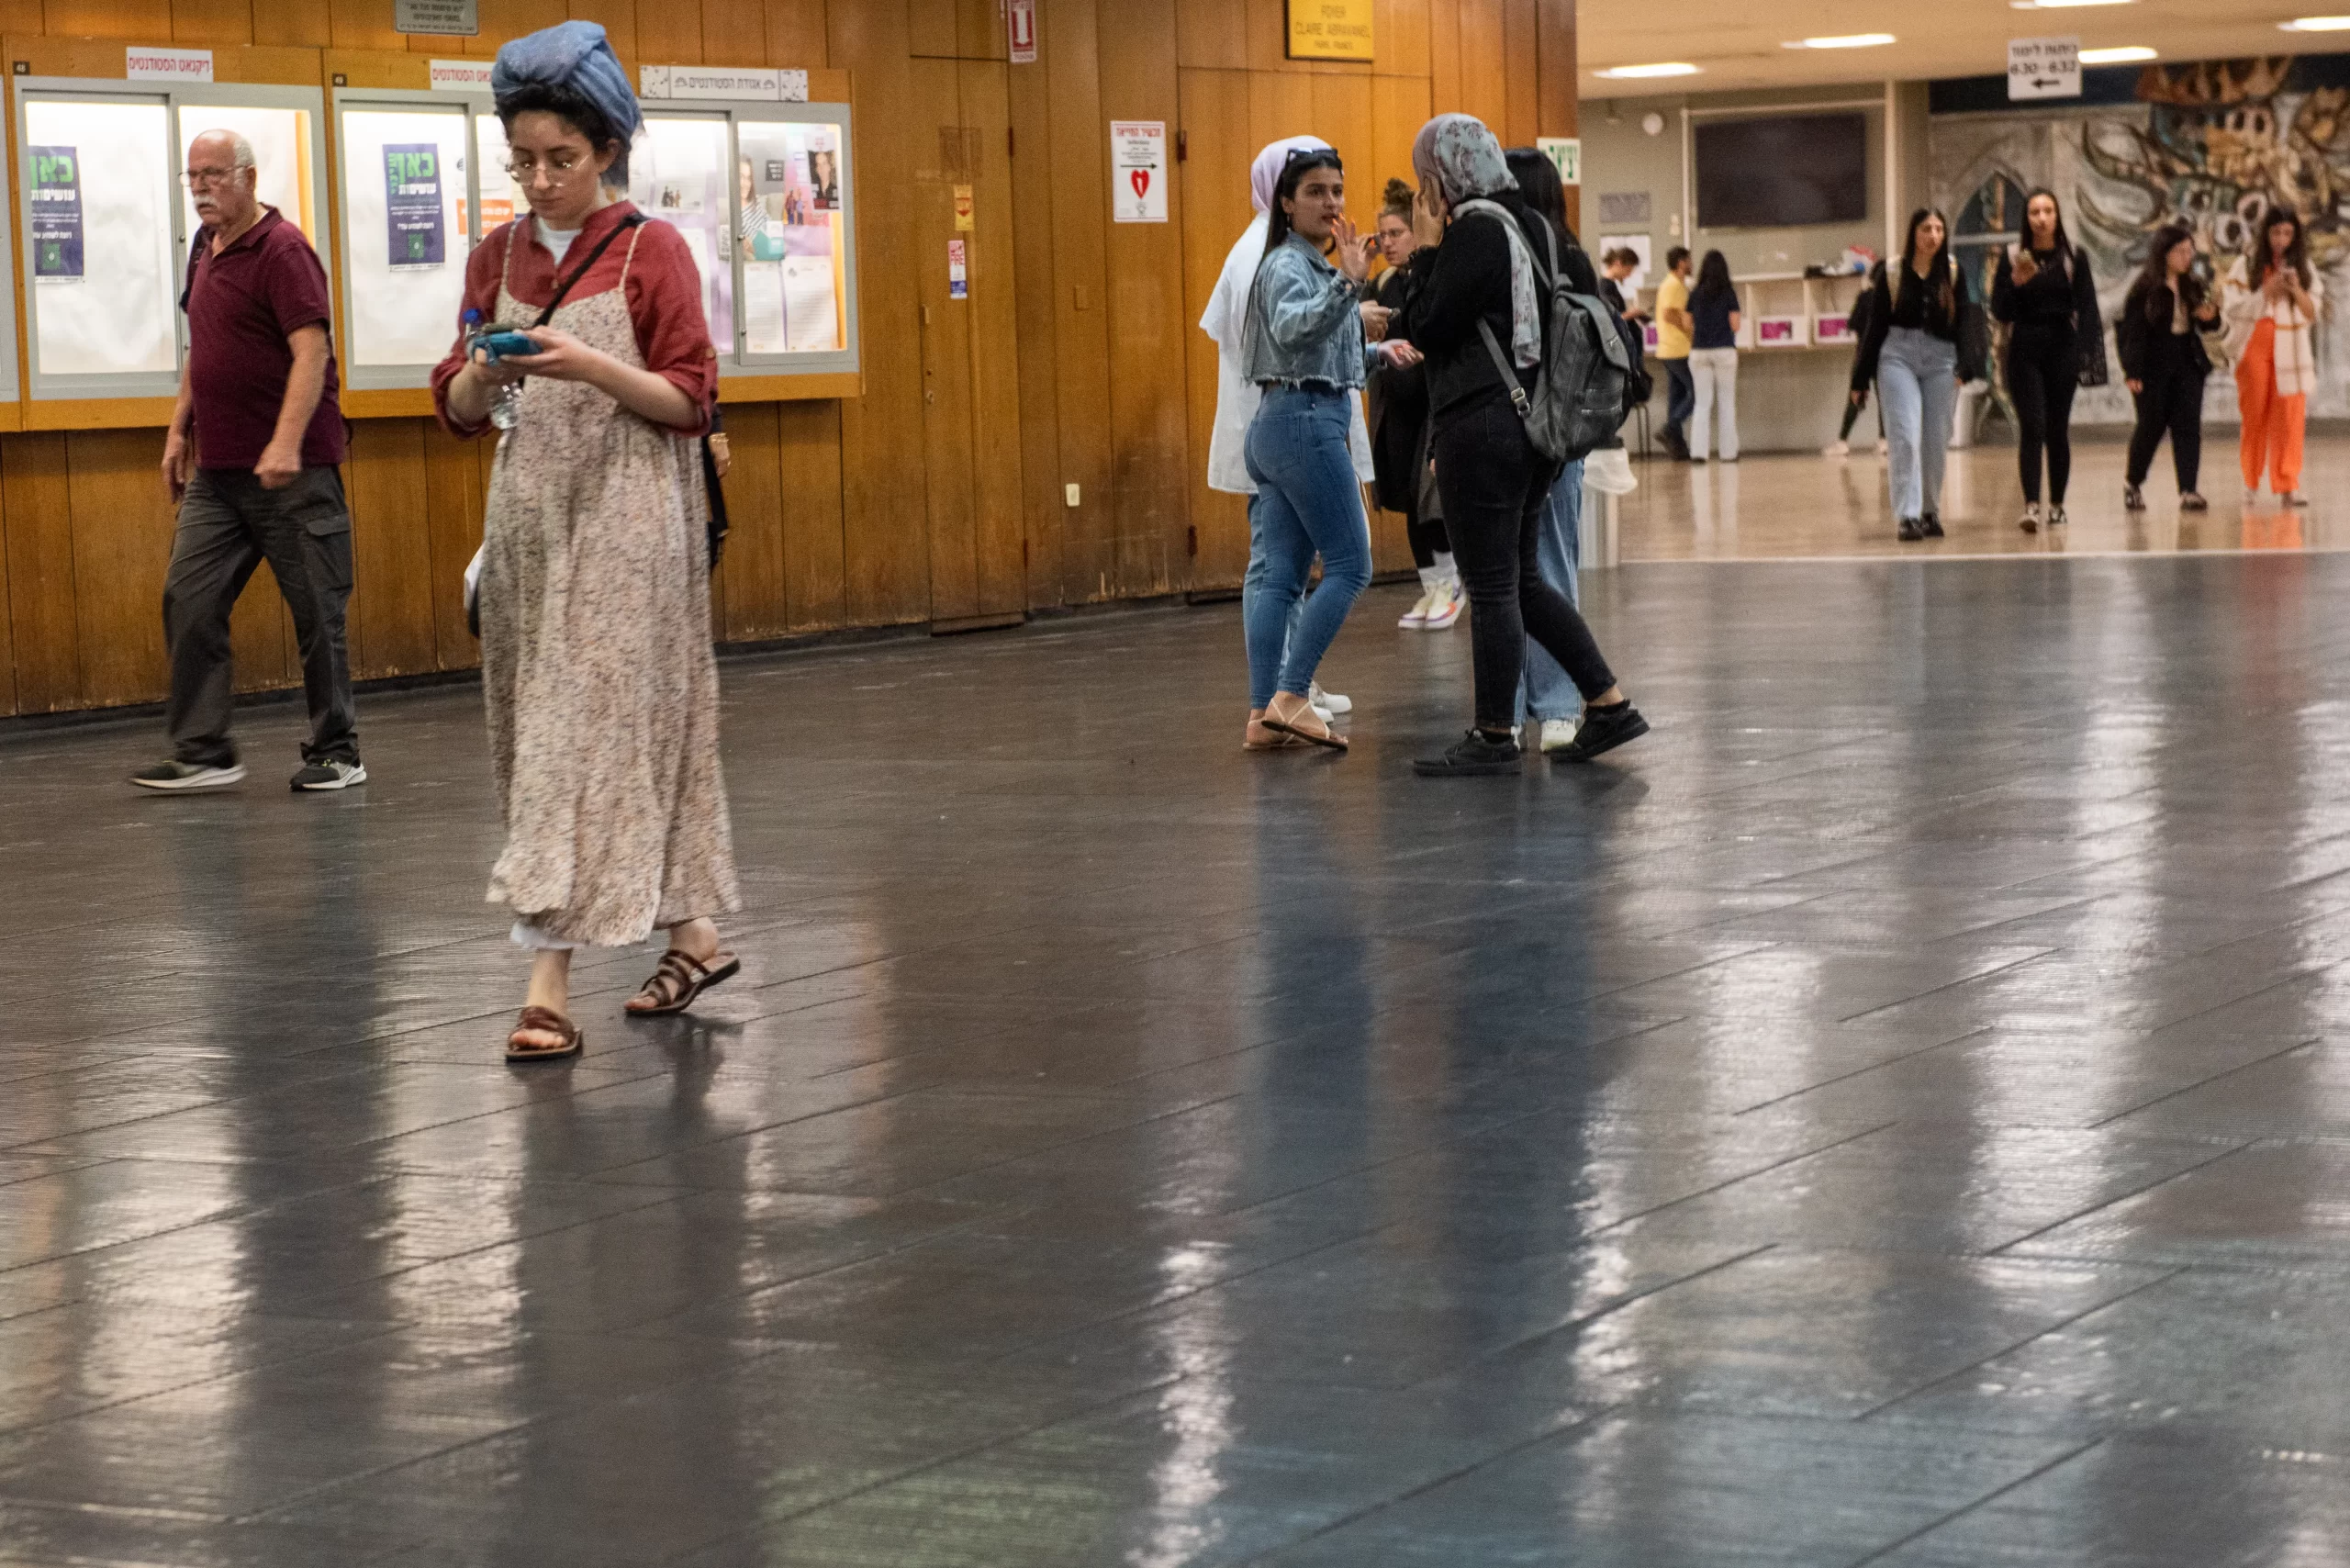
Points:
[(1487, 275), (2159, 335), (2044, 292)]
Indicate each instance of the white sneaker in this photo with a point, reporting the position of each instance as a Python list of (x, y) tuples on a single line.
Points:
[(189, 775), (1416, 617), (2292, 498), (1837, 449), (1559, 733), (1328, 701), (1447, 606)]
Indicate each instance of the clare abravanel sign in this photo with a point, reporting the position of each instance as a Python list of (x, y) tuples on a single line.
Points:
[(1329, 30)]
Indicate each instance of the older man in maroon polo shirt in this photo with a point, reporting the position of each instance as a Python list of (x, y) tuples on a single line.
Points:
[(251, 460)]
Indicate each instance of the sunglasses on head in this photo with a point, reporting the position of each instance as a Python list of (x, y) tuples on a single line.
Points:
[(1312, 154)]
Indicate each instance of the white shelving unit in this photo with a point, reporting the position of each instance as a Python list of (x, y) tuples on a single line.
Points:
[(1792, 305)]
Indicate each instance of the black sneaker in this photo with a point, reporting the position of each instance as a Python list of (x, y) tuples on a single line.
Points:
[(1472, 756), (1910, 530), (189, 775), (333, 773), (1931, 525), (1603, 729)]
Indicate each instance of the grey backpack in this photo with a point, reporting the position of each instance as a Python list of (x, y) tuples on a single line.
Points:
[(1577, 400)]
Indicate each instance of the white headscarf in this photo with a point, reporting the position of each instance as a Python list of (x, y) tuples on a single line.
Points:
[(1265, 172)]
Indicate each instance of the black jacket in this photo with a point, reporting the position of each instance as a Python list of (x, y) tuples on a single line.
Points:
[(2148, 346), (1398, 396), (1466, 280), (1959, 326), (2060, 298)]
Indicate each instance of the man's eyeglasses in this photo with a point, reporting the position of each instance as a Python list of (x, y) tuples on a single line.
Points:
[(196, 179)]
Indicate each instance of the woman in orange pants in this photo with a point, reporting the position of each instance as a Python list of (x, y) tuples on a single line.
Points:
[(2272, 299)]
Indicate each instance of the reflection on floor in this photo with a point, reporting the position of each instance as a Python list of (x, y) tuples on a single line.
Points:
[(1897, 1113), (1802, 504)]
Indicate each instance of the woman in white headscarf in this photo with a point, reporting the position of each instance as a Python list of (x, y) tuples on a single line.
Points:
[(1484, 301), (1237, 399)]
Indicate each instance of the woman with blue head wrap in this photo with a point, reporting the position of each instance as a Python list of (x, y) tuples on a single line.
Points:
[(594, 590)]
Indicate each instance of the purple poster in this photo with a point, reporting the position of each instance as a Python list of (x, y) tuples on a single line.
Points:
[(56, 211), (413, 209)]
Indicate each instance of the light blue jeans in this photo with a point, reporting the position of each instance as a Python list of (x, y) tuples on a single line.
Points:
[(1917, 389), (1307, 500), (1544, 689)]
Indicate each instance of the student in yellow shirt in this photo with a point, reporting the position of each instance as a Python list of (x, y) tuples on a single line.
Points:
[(1673, 325)]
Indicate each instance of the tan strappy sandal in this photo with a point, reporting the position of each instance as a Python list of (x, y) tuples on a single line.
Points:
[(679, 979), (544, 1020)]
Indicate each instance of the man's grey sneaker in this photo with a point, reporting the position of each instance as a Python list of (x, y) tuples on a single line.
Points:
[(188, 776), (332, 774)]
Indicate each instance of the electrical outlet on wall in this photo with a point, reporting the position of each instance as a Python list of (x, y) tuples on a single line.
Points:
[(1068, 493)]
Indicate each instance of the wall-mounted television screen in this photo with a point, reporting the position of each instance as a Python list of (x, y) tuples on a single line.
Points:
[(1780, 171)]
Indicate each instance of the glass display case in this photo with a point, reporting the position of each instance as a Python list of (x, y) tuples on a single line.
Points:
[(106, 221), (411, 212)]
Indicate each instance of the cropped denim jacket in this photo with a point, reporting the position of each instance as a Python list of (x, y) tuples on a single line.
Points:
[(1303, 324)]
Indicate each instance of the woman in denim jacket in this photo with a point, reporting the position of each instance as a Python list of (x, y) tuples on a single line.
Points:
[(1305, 346)]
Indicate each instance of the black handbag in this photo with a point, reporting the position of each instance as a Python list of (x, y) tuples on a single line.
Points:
[(2091, 335)]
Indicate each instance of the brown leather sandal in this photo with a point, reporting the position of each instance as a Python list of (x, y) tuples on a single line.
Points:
[(544, 1020), (679, 979)]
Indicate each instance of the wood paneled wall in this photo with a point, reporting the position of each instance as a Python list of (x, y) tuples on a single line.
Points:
[(937, 496)]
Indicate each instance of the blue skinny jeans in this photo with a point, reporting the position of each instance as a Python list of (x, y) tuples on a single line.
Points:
[(1307, 502)]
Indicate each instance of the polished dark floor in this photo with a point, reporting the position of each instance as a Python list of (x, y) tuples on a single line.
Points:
[(1899, 1112)]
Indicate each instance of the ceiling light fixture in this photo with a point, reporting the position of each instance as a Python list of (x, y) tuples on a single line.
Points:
[(2316, 25), (2061, 5), (1846, 41), (2122, 55), (1660, 68)]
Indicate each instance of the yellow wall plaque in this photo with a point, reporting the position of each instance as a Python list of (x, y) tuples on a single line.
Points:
[(1329, 30)]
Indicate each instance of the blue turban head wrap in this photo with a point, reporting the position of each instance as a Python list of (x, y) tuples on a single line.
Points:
[(574, 55)]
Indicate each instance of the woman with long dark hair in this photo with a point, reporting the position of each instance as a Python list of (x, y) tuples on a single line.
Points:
[(1398, 397), (1303, 345), (1915, 349), (2158, 336), (595, 584), (1483, 287), (2272, 297), (2044, 292), (1713, 359)]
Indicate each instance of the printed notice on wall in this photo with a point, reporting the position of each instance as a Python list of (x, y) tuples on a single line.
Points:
[(1329, 30), (56, 211), (459, 75), (1020, 28), (2044, 68), (144, 64), (1138, 171), (459, 18), (958, 272), (1565, 153), (754, 83), (412, 206)]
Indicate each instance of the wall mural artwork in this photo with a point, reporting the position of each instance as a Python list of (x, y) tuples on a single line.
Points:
[(2207, 144)]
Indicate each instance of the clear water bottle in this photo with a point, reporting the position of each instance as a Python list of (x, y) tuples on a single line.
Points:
[(506, 403), (506, 410)]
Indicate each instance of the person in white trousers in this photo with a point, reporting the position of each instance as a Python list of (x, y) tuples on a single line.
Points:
[(1713, 359)]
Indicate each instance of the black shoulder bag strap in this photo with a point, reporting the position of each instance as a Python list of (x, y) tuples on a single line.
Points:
[(602, 245)]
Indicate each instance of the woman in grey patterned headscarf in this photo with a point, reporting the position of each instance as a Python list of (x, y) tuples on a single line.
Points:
[(1477, 318)]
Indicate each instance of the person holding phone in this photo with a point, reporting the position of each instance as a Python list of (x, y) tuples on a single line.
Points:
[(597, 668), (1398, 397), (2271, 299), (2160, 340), (1713, 361), (2043, 291)]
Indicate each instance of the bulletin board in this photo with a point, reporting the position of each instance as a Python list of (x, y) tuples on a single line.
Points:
[(419, 179), (103, 221), (765, 194)]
